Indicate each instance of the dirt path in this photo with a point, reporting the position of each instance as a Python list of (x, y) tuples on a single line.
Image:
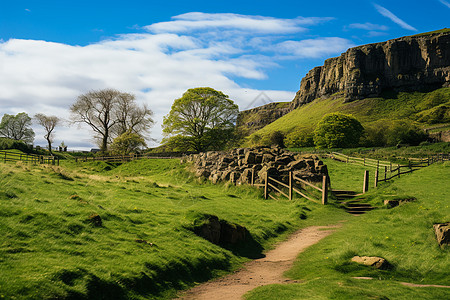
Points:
[(267, 270)]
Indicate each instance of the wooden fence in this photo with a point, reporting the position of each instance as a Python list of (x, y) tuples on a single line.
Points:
[(274, 185), (8, 156), (120, 158)]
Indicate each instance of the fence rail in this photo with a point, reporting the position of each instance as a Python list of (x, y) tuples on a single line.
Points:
[(293, 186), (121, 158), (8, 156)]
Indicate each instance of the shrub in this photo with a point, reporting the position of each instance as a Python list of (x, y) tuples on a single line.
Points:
[(337, 130), (299, 138)]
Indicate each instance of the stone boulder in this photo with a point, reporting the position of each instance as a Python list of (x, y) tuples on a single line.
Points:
[(238, 165), (442, 232), (372, 261)]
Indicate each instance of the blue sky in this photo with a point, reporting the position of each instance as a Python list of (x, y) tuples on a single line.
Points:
[(53, 51)]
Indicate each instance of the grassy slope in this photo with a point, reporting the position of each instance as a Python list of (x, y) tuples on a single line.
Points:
[(50, 250), (403, 235), (410, 106)]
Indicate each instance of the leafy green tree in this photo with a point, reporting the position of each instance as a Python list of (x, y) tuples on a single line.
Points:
[(126, 143), (203, 118), (337, 130), (17, 127)]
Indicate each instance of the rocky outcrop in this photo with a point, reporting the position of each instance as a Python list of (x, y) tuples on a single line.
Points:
[(254, 119), (413, 63), (239, 165)]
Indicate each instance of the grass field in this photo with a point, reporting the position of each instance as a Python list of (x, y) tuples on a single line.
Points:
[(143, 248), (402, 235), (424, 107)]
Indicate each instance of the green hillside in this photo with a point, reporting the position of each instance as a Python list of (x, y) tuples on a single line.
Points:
[(421, 109), (54, 246)]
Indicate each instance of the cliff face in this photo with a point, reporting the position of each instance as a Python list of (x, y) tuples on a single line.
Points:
[(405, 64), (256, 118)]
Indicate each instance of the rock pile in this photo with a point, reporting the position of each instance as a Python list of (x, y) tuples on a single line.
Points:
[(239, 165)]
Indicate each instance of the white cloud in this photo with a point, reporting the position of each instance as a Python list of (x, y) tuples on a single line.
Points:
[(249, 24), (315, 47), (386, 13), (445, 3), (157, 66), (368, 26)]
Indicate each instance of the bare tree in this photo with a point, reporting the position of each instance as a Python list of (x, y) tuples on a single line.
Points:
[(110, 113), (49, 123), (132, 118)]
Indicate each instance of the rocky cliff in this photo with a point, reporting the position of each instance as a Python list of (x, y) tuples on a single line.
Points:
[(256, 118), (420, 62)]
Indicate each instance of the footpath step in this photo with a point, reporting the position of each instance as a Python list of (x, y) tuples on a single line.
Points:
[(351, 205)]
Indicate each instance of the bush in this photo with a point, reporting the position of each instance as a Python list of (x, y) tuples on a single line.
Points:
[(299, 138), (337, 130), (6, 144), (383, 134), (276, 138)]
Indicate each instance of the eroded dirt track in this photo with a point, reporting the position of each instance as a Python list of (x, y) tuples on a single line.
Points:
[(263, 271)]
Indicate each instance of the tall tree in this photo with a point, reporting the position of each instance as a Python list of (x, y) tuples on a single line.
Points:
[(132, 118), (17, 127), (110, 113), (49, 123), (203, 117)]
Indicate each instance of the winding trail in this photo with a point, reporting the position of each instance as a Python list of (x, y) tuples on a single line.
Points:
[(263, 271)]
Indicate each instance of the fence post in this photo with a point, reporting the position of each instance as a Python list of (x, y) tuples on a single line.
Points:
[(385, 171), (266, 185), (366, 181), (290, 185), (376, 178), (253, 177), (324, 189), (364, 161)]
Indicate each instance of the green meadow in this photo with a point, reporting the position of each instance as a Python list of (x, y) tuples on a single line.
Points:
[(402, 235), (54, 246)]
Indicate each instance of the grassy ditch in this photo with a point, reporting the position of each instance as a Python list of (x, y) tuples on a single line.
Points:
[(402, 235), (98, 230)]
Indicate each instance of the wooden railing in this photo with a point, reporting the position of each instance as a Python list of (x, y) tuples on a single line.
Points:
[(274, 185), (120, 158), (8, 156)]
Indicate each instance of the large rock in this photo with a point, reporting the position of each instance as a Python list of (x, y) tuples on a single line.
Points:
[(409, 63), (237, 165), (442, 232), (373, 261)]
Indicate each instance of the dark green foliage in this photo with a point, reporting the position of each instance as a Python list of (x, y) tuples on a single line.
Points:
[(299, 138), (337, 130), (202, 119), (6, 144), (385, 133), (17, 127), (276, 138)]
